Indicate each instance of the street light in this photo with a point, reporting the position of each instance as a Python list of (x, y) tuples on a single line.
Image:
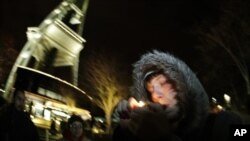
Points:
[(227, 99)]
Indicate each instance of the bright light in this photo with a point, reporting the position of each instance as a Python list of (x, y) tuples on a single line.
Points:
[(38, 106), (86, 116), (1, 90), (219, 107), (95, 130), (100, 120), (57, 11), (65, 3), (25, 54), (227, 98), (75, 19), (47, 114), (60, 113), (48, 104), (141, 103), (58, 122), (31, 116), (48, 21), (33, 33), (214, 100)]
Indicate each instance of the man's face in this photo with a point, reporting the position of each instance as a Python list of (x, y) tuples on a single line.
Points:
[(19, 101), (163, 92), (76, 129)]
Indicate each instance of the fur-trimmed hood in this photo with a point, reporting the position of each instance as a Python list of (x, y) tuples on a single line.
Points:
[(192, 94)]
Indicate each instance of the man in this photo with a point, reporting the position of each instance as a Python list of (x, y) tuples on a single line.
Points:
[(176, 105), (75, 130), (15, 124)]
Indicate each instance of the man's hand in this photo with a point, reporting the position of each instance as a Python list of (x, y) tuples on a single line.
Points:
[(125, 107), (149, 123)]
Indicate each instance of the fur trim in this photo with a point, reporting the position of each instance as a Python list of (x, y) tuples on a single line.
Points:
[(190, 90)]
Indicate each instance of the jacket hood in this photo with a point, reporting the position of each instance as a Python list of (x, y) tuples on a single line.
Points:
[(192, 96)]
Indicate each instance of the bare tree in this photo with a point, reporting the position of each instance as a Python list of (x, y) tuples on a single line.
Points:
[(107, 86), (231, 33)]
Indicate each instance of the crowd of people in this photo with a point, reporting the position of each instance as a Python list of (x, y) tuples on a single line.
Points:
[(168, 102)]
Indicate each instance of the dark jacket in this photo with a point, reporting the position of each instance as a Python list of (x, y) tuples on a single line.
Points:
[(16, 125), (197, 123)]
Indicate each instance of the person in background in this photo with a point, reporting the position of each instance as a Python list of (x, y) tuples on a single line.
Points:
[(74, 131), (15, 123), (169, 103)]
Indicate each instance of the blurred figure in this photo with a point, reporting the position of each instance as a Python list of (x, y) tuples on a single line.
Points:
[(74, 131), (52, 129), (15, 124), (169, 103)]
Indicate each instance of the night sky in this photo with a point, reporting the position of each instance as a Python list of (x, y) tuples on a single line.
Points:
[(128, 26), (136, 26), (132, 27)]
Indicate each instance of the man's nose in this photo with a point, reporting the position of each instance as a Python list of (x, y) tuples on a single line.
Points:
[(157, 90)]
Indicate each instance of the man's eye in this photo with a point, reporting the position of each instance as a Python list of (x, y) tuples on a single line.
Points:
[(163, 83)]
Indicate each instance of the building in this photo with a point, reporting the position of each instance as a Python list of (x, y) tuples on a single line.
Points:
[(47, 67)]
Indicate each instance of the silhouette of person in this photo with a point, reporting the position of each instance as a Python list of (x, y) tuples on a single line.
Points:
[(15, 124)]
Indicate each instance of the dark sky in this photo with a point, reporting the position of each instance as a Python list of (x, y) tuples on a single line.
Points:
[(135, 26), (128, 26), (125, 28), (132, 27)]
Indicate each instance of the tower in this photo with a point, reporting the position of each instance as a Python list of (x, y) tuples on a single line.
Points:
[(54, 46), (47, 66)]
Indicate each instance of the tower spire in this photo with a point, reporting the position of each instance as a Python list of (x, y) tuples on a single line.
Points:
[(55, 43)]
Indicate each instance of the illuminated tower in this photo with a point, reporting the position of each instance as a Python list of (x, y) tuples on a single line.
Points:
[(54, 46)]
